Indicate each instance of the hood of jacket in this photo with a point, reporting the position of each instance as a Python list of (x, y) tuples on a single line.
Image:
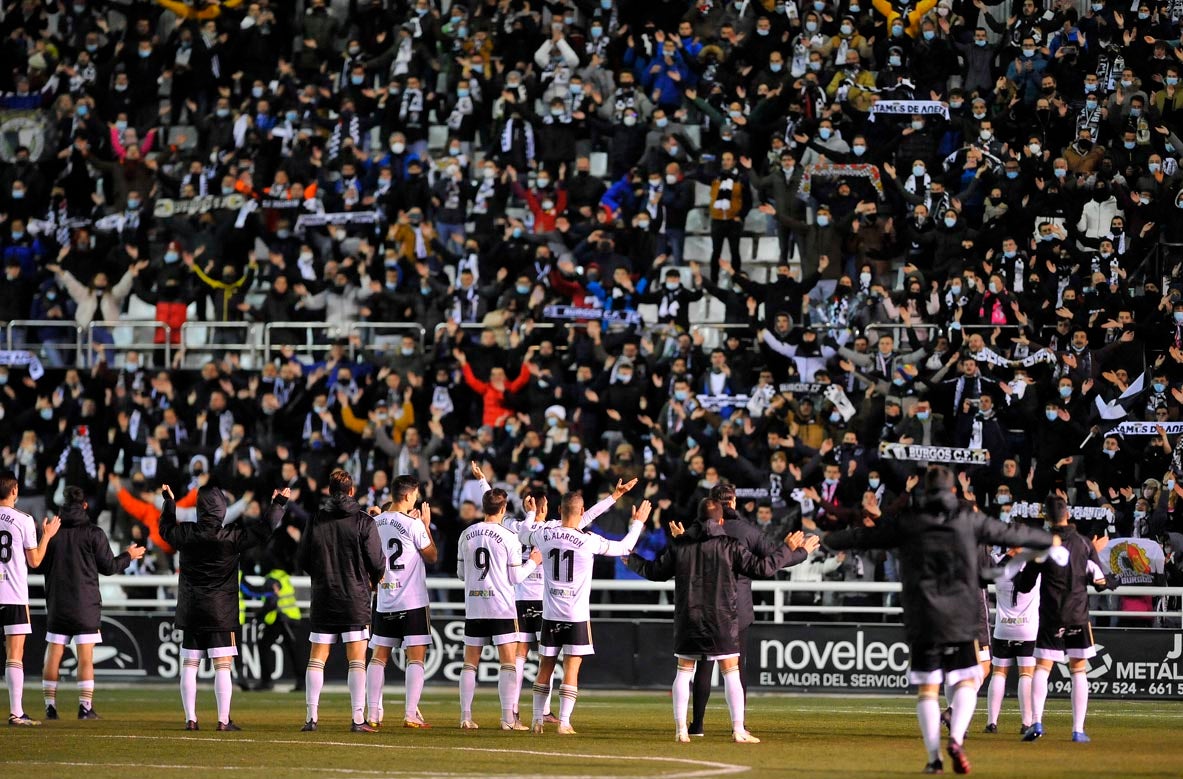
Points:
[(211, 505), (939, 504), (339, 507), (74, 516)]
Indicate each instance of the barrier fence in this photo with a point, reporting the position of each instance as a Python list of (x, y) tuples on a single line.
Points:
[(634, 645)]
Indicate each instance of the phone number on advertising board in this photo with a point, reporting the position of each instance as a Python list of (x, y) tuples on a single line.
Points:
[(1152, 689)]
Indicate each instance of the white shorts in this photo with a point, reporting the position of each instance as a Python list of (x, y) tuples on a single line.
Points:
[(77, 640), (346, 637), (706, 658)]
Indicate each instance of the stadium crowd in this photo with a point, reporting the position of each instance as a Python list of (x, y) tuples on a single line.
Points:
[(974, 209)]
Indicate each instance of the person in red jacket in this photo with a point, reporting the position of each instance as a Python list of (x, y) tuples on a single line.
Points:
[(494, 391)]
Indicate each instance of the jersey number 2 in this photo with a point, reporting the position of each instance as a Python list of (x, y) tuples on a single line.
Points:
[(397, 546), (565, 555)]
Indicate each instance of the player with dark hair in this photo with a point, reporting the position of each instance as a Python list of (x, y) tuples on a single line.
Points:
[(738, 527), (78, 555), (706, 564), (341, 552), (401, 618), (489, 561), (566, 612), (1064, 629), (937, 547), (19, 551), (207, 593)]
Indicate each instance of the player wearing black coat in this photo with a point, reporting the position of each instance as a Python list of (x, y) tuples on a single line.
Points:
[(1063, 590), (207, 596), (342, 552), (74, 560), (706, 565)]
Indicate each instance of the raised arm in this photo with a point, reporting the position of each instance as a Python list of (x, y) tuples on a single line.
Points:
[(625, 545)]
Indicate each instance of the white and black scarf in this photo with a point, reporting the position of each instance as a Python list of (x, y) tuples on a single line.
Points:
[(462, 109)]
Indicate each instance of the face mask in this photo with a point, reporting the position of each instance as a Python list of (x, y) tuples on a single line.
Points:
[(776, 67), (1093, 495), (897, 30), (355, 80), (1135, 112), (1129, 144), (671, 179), (1154, 167), (18, 234), (950, 221), (222, 113), (846, 29), (132, 204), (18, 194), (1096, 7), (1051, 415), (985, 135), (171, 257), (815, 65), (895, 61), (553, 112), (1060, 172), (46, 414), (1110, 453), (824, 133), (822, 220), (873, 483), (522, 289), (835, 418), (625, 378), (517, 232), (673, 150), (929, 35), (918, 171), (762, 32), (1179, 317), (811, 26), (917, 125), (859, 150), (547, 204), (1126, 83), (854, 9), (1004, 516), (630, 120), (257, 92), (923, 415), (121, 125), (1028, 53)]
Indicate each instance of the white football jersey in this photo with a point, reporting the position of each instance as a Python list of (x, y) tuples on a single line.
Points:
[(489, 560), (404, 585), (567, 557), (18, 532), (1017, 615), (530, 588)]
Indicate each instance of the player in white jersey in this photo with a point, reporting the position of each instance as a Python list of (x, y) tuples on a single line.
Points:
[(567, 556), (19, 551), (529, 592), (489, 560), (401, 618), (1016, 624)]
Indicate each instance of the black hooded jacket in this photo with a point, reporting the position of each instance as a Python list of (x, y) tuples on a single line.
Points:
[(705, 564), (938, 549), (1063, 590), (75, 558), (207, 599), (342, 553), (746, 532)]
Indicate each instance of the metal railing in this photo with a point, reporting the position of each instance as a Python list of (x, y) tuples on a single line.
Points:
[(37, 324), (780, 610), (135, 344), (195, 337), (313, 344)]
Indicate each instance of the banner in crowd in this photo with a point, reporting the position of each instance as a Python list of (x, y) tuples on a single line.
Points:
[(803, 658), (338, 218), (716, 402), (920, 107), (752, 493), (584, 312), (19, 359), (1133, 560), (1034, 509), (22, 128), (935, 454), (166, 207), (1148, 428), (803, 387), (830, 171)]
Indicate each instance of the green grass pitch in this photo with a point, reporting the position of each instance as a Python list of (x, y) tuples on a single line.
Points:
[(620, 734)]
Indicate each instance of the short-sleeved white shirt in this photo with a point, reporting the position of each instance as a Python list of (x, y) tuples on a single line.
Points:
[(18, 532)]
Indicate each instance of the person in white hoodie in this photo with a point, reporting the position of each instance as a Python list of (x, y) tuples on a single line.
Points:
[(1096, 217), (98, 301)]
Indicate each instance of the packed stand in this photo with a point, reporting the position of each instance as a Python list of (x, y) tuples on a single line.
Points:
[(984, 274)]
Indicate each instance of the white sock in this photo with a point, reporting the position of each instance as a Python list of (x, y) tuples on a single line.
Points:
[(223, 687), (1080, 701), (14, 675), (414, 687), (568, 693), (375, 682), (733, 691), (549, 692), (1039, 693), (507, 679), (1025, 698), (519, 667), (994, 696), (50, 691), (314, 680), (682, 680), (189, 688), (928, 713), (541, 697), (948, 694), (356, 679), (467, 691), (86, 694), (965, 698)]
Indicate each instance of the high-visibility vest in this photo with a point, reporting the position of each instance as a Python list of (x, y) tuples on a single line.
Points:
[(286, 600), (241, 601)]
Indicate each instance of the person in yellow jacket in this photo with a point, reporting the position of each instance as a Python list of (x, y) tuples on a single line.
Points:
[(200, 10), (279, 616), (227, 287), (891, 11)]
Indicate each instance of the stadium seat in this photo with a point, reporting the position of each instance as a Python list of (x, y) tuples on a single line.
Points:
[(599, 164), (437, 137)]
